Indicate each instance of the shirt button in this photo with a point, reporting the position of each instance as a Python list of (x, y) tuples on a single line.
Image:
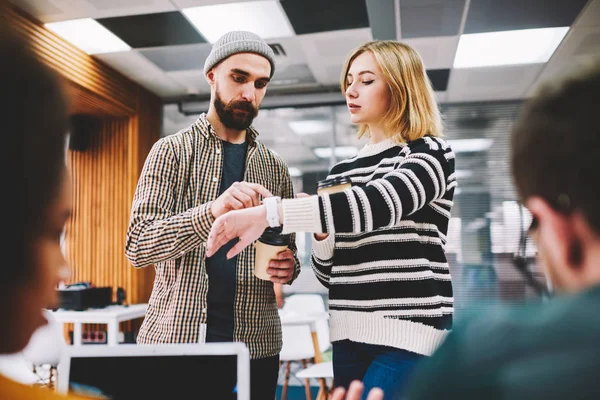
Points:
[(215, 179), (218, 151), (204, 311)]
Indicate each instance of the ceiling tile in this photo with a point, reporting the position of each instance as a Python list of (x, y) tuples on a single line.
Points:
[(139, 69), (421, 18), (578, 45), (288, 50), (153, 30), (292, 74), (326, 52), (129, 63), (382, 19), (116, 8), (436, 52), (591, 15), (179, 58), (495, 16), (311, 16), (199, 3), (62, 10), (45, 11), (194, 82), (439, 78), (492, 83)]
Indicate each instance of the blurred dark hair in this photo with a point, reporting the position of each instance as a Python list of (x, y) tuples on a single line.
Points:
[(33, 111), (556, 144)]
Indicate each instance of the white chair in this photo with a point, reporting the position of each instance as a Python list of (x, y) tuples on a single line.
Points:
[(297, 347), (15, 367), (46, 346), (322, 372), (310, 304)]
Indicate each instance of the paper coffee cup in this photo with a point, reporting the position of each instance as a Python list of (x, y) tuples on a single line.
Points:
[(334, 185), (268, 246)]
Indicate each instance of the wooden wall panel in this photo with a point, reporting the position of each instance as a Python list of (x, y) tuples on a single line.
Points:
[(102, 198)]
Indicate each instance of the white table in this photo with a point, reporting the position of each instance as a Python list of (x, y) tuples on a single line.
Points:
[(111, 316)]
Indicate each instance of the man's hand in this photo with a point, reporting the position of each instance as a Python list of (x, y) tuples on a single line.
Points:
[(281, 269), (355, 392), (247, 225), (238, 196)]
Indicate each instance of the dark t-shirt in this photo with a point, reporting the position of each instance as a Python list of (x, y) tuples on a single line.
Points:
[(221, 271)]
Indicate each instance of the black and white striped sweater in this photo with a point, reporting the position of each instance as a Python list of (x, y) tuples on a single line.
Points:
[(384, 262)]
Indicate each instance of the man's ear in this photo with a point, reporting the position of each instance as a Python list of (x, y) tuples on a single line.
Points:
[(210, 77), (555, 233)]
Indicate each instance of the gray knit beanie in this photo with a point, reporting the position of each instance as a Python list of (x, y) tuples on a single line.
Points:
[(238, 42)]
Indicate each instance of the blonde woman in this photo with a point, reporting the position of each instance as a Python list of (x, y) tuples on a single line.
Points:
[(379, 246)]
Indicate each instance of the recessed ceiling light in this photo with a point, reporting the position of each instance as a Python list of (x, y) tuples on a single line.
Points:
[(89, 35), (525, 46), (265, 18)]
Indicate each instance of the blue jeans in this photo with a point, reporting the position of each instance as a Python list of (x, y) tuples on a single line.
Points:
[(377, 366)]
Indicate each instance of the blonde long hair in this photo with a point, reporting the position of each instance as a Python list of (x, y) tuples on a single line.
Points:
[(413, 111)]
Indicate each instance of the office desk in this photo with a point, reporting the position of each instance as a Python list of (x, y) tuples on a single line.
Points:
[(111, 316)]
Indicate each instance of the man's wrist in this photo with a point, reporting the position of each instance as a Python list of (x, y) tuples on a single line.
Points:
[(213, 212)]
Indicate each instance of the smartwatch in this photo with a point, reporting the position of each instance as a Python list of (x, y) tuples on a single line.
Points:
[(272, 205)]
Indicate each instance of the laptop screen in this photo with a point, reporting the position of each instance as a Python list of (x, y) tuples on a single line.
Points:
[(155, 377)]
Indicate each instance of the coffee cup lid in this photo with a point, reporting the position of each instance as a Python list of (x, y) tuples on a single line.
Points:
[(274, 237), (340, 180)]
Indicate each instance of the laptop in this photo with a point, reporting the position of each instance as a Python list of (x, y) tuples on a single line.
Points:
[(201, 371)]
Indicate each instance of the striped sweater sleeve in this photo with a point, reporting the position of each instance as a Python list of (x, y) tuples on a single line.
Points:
[(321, 258), (155, 233), (424, 175)]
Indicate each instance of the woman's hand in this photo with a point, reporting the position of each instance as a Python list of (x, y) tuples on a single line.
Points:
[(247, 225), (355, 392)]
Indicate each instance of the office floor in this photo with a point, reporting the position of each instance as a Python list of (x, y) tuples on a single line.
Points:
[(297, 392)]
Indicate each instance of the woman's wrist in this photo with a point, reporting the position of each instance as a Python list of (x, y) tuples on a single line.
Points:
[(263, 215)]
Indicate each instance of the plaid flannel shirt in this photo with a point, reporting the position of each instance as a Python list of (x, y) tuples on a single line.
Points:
[(170, 222)]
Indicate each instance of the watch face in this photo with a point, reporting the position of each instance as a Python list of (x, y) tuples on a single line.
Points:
[(272, 212)]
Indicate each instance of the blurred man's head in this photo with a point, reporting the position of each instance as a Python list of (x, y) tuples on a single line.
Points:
[(556, 166), (238, 70), (36, 192)]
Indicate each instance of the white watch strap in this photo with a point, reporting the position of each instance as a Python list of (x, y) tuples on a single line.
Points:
[(271, 204)]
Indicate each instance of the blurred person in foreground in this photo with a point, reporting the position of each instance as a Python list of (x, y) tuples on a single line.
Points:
[(33, 111), (549, 350)]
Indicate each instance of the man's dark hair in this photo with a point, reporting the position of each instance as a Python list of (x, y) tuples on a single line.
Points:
[(33, 111), (556, 144)]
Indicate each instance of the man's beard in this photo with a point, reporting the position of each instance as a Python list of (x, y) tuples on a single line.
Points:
[(232, 115)]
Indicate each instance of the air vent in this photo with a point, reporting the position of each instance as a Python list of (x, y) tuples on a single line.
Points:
[(278, 49)]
